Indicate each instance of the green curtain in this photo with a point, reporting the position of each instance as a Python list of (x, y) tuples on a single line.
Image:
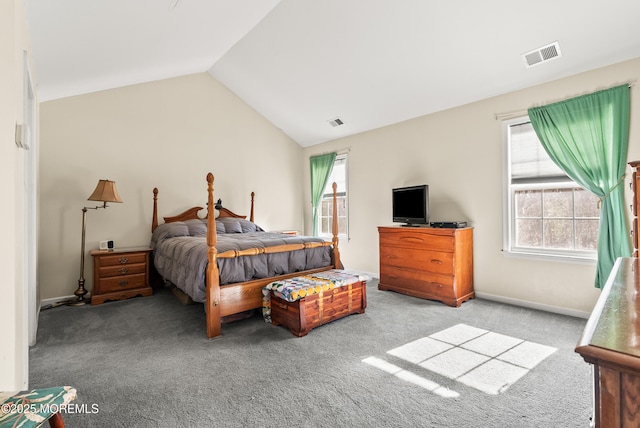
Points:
[(321, 167), (587, 137)]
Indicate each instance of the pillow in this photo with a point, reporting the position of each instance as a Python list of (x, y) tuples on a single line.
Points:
[(238, 225), (248, 226), (196, 227), (171, 230), (220, 227), (232, 225), (168, 230)]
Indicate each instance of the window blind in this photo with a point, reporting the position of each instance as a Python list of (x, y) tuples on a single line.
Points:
[(530, 163)]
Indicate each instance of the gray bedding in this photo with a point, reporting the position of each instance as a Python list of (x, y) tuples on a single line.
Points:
[(180, 253)]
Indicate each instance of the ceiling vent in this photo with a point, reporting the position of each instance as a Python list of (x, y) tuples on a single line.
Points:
[(543, 54), (336, 122)]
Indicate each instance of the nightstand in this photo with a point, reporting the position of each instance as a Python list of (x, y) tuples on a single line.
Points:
[(120, 274), (287, 232)]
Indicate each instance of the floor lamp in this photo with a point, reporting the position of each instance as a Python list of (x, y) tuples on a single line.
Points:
[(106, 191)]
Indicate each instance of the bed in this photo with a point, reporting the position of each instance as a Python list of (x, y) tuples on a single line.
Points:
[(224, 261)]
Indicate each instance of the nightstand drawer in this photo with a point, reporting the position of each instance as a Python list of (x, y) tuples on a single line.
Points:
[(119, 283), (123, 259), (128, 269)]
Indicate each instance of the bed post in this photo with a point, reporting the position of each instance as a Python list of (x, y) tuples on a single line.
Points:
[(334, 229), (213, 275), (253, 194), (154, 220)]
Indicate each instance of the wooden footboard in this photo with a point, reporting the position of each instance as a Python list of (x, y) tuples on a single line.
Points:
[(239, 297)]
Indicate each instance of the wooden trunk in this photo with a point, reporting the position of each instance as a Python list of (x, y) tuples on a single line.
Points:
[(318, 309)]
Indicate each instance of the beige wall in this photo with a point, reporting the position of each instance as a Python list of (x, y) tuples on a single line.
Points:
[(170, 133), (13, 351), (167, 134), (459, 154)]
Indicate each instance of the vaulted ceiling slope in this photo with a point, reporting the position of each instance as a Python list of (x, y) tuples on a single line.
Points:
[(304, 63)]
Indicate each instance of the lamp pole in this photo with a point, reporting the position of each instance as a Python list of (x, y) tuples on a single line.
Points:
[(81, 291)]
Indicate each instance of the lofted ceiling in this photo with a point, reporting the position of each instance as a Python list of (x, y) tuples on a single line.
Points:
[(304, 63)]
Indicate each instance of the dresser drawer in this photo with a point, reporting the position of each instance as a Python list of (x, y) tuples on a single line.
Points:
[(418, 260), (119, 283), (125, 269), (418, 241), (438, 286), (123, 259)]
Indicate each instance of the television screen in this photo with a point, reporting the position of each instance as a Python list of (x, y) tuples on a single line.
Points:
[(411, 204)]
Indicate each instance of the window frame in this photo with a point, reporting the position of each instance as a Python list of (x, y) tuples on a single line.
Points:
[(329, 196), (509, 247)]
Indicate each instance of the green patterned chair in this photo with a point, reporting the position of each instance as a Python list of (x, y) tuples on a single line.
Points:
[(31, 409)]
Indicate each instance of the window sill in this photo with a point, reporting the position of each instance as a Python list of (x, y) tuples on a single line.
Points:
[(562, 258)]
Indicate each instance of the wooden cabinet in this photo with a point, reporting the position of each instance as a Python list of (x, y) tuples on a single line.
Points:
[(611, 338), (431, 263), (610, 342), (120, 274)]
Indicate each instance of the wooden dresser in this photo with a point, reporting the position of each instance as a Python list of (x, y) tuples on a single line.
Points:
[(611, 338), (611, 342), (120, 274), (430, 263)]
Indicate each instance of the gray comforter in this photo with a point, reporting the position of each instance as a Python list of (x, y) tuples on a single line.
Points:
[(180, 254)]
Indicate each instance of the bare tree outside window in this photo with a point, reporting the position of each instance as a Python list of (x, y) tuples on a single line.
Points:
[(547, 212)]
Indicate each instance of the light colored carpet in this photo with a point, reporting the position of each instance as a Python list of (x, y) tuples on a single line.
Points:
[(406, 362)]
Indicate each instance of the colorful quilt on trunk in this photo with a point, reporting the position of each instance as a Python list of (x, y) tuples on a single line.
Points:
[(293, 289)]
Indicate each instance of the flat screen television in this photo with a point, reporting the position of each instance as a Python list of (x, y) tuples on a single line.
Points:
[(411, 205)]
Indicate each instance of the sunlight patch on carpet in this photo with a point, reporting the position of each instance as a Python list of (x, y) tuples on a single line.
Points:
[(488, 361), (419, 350), (411, 377)]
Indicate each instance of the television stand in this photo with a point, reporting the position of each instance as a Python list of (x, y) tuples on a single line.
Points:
[(427, 262)]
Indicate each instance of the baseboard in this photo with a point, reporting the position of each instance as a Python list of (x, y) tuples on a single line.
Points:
[(56, 301), (532, 305)]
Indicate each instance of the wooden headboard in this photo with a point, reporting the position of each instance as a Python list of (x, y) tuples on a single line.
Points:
[(192, 213)]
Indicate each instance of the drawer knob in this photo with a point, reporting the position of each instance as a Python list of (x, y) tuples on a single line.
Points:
[(436, 261), (124, 270), (123, 260), (123, 283)]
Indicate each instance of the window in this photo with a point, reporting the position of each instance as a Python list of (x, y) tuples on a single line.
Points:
[(339, 176), (546, 213)]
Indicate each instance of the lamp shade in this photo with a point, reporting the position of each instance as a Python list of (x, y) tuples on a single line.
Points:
[(106, 191)]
